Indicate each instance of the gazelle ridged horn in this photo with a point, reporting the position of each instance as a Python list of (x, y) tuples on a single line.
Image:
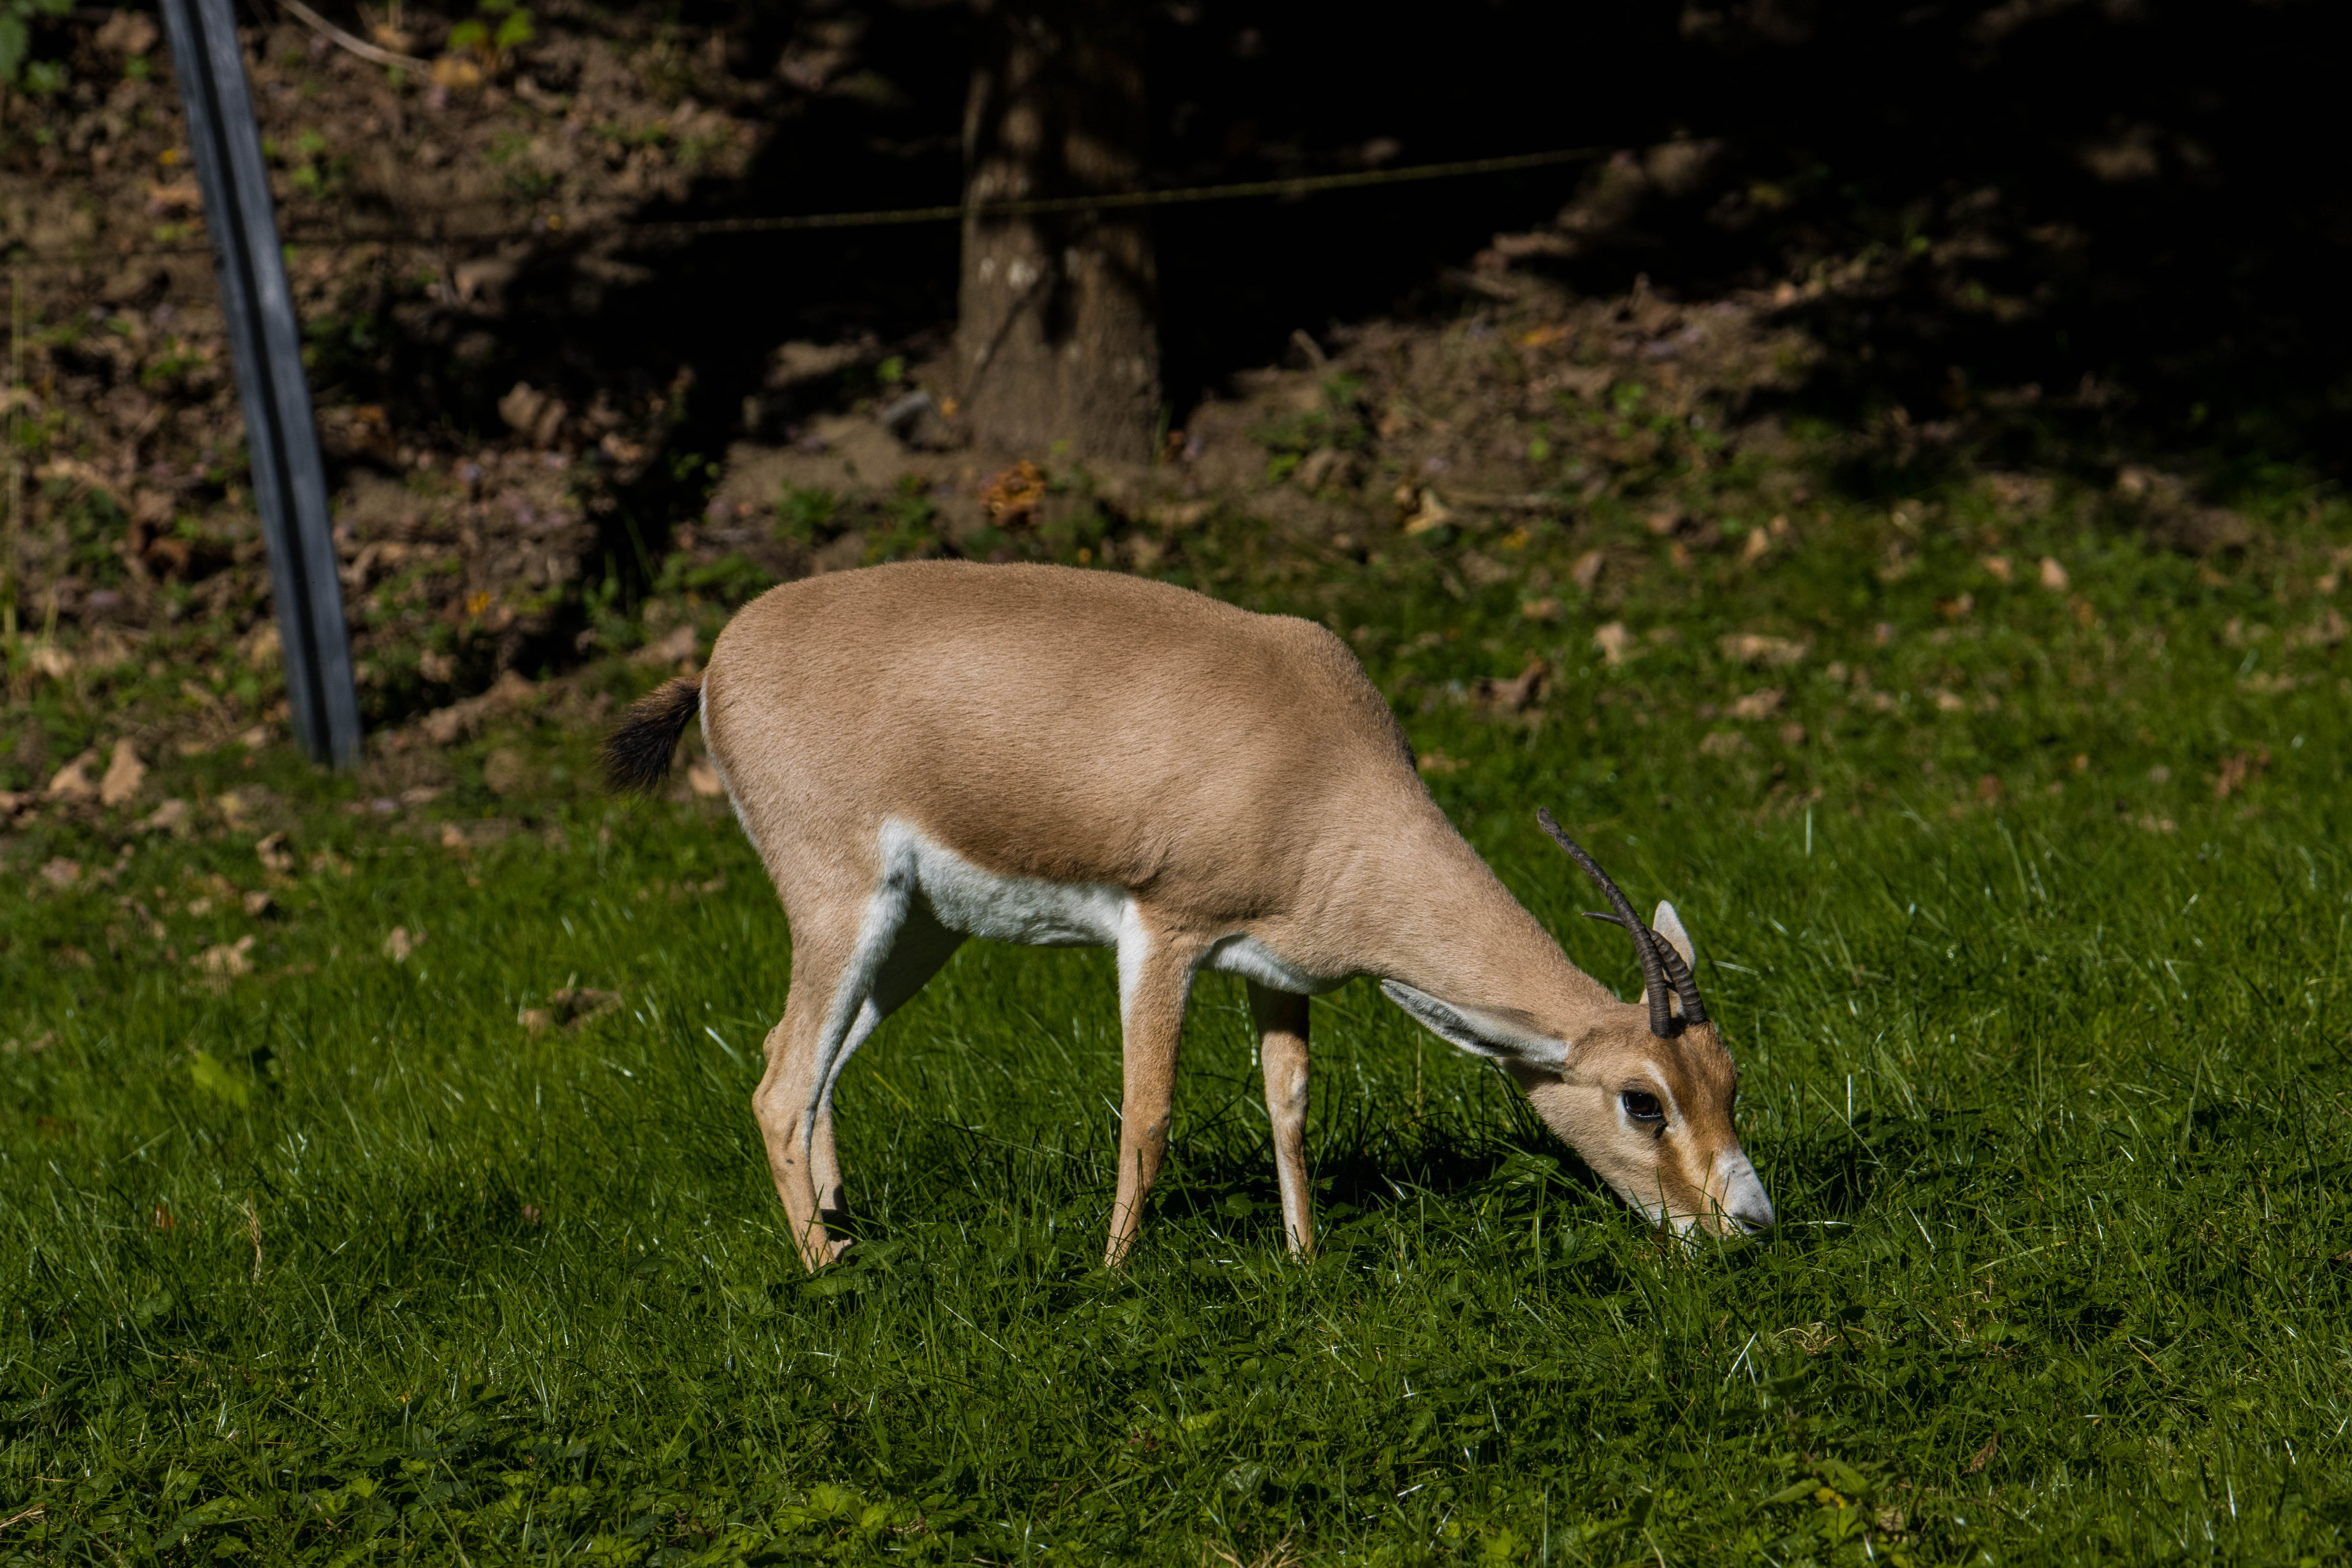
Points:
[(1686, 987), (1646, 945)]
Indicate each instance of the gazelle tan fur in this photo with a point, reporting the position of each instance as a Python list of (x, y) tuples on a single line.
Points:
[(934, 751)]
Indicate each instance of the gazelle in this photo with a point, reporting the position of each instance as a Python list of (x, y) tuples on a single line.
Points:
[(934, 751)]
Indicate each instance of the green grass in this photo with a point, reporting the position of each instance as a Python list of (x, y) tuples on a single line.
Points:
[(2052, 1100)]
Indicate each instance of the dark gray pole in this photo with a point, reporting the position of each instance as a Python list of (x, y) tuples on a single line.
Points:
[(290, 482)]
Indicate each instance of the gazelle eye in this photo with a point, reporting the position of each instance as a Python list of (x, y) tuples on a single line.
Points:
[(1641, 1107)]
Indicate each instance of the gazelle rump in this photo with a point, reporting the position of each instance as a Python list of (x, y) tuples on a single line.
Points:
[(932, 750)]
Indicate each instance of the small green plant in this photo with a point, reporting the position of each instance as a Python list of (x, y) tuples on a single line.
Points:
[(804, 516), (17, 16), (908, 529), (492, 34)]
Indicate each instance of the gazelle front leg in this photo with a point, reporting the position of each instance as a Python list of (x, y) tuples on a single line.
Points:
[(1155, 980), (1281, 1019)]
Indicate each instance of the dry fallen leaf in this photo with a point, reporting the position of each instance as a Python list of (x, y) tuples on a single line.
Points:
[(274, 855), (124, 773), (1612, 640), (1757, 650), (229, 958), (62, 872), (398, 944), (2053, 575), (72, 781), (171, 817), (1982, 1457), (703, 779)]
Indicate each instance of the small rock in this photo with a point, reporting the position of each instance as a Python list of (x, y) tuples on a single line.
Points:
[(173, 817), (703, 779), (1613, 640), (2053, 575), (259, 905), (1759, 704), (398, 944), (61, 872)]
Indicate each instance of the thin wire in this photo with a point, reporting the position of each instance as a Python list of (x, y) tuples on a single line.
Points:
[(891, 217)]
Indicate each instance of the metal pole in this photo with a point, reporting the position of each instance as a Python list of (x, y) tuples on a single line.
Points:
[(290, 481)]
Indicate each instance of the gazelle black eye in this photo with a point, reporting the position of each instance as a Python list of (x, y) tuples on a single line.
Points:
[(1641, 1107)]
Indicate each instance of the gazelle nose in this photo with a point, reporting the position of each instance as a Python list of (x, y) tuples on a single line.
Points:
[(1755, 1218)]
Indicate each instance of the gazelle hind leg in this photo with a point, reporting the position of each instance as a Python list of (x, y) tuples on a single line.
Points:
[(1281, 1019), (1155, 980), (921, 947), (836, 952)]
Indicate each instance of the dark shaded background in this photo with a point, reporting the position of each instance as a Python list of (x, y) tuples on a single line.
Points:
[(2089, 229), (2111, 227)]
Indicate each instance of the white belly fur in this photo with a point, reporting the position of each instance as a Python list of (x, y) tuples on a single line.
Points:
[(1034, 912)]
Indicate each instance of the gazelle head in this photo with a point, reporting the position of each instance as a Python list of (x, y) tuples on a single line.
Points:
[(1642, 1090)]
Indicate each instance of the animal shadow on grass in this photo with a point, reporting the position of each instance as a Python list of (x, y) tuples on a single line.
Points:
[(1364, 1164), (1834, 1171)]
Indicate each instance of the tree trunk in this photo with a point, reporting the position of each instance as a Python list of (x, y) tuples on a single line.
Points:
[(1057, 336)]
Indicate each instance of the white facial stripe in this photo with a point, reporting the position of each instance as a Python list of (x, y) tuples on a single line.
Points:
[(1673, 1110)]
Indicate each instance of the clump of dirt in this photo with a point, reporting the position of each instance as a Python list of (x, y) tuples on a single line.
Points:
[(460, 558)]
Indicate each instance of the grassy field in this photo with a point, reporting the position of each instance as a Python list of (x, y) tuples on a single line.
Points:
[(2032, 947)]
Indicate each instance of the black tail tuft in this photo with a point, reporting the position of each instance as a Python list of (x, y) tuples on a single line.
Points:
[(637, 754)]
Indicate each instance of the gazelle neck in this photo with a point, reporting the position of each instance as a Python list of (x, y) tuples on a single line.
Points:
[(1428, 913)]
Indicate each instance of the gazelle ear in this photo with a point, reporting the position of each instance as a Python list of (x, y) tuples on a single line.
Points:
[(1471, 1030), (1668, 924)]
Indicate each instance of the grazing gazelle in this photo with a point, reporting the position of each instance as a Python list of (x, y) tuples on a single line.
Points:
[(931, 750)]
